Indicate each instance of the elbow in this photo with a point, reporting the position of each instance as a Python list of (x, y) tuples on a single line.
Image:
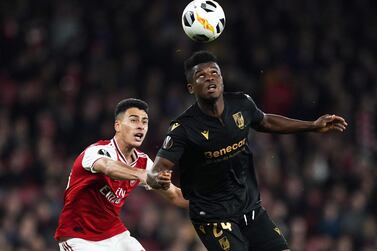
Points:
[(110, 172)]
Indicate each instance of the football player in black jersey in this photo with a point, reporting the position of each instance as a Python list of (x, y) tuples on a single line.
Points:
[(209, 143)]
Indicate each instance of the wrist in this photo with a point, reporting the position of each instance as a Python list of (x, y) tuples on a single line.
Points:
[(142, 176), (315, 126), (151, 181)]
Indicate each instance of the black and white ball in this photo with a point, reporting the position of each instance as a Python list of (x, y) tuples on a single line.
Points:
[(203, 20)]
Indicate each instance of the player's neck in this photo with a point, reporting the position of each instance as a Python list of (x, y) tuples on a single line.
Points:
[(214, 108), (128, 153), (125, 149)]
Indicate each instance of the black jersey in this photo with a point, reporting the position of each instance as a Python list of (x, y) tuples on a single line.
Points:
[(216, 165)]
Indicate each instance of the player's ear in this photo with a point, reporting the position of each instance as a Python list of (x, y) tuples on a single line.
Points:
[(117, 125), (190, 89)]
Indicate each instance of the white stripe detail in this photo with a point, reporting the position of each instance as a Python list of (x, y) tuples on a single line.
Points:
[(136, 154), (119, 151), (67, 247)]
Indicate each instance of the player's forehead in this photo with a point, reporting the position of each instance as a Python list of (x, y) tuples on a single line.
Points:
[(205, 66), (135, 112)]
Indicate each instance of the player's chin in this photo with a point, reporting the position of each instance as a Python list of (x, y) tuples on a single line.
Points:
[(136, 143), (213, 95)]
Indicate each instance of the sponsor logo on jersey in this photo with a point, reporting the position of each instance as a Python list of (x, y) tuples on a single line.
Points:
[(112, 197), (233, 148), (238, 119), (205, 134)]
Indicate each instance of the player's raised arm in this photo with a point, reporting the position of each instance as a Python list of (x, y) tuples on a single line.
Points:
[(280, 124)]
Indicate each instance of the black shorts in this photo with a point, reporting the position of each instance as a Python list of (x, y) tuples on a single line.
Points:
[(254, 231)]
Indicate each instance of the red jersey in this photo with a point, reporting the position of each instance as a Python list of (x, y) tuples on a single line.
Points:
[(93, 201)]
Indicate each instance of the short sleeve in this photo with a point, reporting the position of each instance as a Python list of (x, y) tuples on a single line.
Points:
[(148, 168), (149, 164), (95, 152), (256, 114), (174, 144)]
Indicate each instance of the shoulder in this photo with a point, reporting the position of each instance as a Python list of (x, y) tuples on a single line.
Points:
[(187, 114), (101, 143), (177, 128), (233, 95), (105, 144), (184, 119), (102, 147), (238, 98)]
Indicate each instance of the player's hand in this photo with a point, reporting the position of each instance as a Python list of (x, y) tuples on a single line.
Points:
[(160, 180), (164, 179), (328, 123)]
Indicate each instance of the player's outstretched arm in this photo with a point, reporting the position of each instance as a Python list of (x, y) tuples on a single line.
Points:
[(118, 170), (155, 180), (280, 124), (174, 195)]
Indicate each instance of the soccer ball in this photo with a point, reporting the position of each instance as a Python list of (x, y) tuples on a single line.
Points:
[(203, 20)]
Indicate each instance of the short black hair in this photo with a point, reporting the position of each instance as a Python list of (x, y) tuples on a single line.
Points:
[(198, 57), (127, 103)]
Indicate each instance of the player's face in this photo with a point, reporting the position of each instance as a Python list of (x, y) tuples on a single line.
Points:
[(132, 126), (207, 82)]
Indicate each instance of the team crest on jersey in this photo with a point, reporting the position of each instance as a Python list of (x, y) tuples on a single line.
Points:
[(224, 243), (133, 182), (168, 143), (238, 119)]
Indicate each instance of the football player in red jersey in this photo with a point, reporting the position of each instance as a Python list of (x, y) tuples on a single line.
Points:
[(102, 177)]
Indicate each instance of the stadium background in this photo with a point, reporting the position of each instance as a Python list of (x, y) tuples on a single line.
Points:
[(65, 64)]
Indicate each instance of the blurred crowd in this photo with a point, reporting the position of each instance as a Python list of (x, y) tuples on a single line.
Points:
[(65, 64)]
